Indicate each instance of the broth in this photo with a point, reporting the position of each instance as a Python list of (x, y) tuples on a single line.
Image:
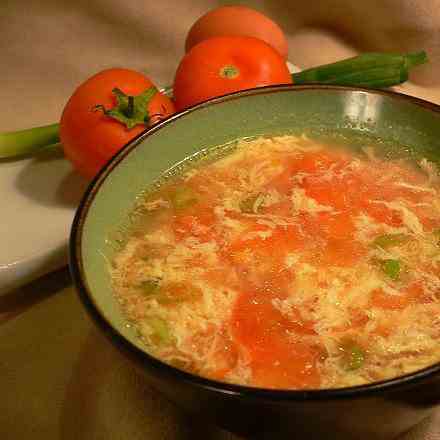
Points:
[(288, 263)]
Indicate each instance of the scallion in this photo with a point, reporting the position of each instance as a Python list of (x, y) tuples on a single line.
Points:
[(386, 241), (25, 142), (377, 70), (391, 268)]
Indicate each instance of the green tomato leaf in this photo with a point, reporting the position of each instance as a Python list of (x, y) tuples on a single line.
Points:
[(130, 110)]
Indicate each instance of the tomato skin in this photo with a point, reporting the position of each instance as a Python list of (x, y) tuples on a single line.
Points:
[(237, 21), (90, 138), (199, 75)]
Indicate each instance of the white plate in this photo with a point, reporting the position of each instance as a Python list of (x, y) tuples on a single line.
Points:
[(39, 196), (38, 199)]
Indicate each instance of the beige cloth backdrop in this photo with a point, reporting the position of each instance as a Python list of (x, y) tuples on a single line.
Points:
[(48, 47), (58, 378)]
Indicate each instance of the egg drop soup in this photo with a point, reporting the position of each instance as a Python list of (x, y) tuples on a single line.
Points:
[(289, 264)]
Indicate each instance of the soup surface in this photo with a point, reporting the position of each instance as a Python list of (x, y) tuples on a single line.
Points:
[(288, 264)]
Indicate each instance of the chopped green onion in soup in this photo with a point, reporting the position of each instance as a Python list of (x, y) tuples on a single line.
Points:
[(386, 241)]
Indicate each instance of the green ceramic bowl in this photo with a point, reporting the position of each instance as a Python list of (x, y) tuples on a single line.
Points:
[(354, 114)]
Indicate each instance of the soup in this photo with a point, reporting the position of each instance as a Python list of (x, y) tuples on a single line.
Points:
[(288, 264)]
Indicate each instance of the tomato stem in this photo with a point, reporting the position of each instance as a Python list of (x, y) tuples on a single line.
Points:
[(229, 71), (130, 110), (130, 107)]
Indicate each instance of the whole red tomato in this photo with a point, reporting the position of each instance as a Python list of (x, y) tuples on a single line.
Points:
[(237, 20), (90, 134), (222, 65)]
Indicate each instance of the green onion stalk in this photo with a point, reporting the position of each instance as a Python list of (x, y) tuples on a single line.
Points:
[(375, 70), (29, 141)]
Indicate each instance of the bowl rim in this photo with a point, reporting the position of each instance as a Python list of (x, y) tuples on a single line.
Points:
[(142, 357)]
